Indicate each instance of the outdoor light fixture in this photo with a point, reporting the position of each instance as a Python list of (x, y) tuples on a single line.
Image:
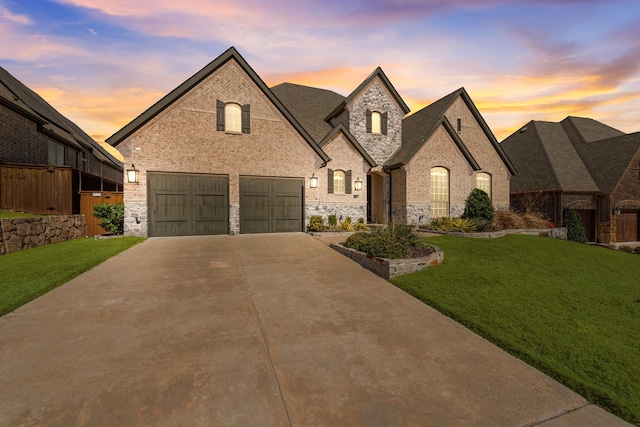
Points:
[(133, 174), (617, 211), (358, 184), (313, 181)]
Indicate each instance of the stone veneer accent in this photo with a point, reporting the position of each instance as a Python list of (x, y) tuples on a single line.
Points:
[(25, 233), (344, 210), (376, 98)]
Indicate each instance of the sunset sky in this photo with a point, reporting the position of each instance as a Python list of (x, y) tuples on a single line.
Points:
[(103, 62)]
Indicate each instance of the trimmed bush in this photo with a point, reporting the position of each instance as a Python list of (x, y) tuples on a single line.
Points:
[(332, 220), (478, 205), (575, 228), (111, 216), (393, 241), (316, 223)]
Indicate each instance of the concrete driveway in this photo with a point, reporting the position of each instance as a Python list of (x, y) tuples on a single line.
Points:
[(258, 330)]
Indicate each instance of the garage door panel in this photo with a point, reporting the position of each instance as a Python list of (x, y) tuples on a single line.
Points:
[(171, 228), (269, 205), (171, 206), (211, 206), (183, 204)]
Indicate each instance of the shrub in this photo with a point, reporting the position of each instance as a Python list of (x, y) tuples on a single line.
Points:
[(111, 216), (360, 225), (347, 224), (483, 225), (333, 222), (478, 205), (440, 224), (316, 223), (464, 225), (393, 241), (575, 228)]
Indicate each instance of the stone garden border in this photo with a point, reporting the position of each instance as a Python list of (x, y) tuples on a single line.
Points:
[(556, 233), (390, 268)]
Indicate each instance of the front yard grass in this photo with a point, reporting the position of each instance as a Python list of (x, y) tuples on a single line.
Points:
[(27, 274), (12, 214), (568, 309)]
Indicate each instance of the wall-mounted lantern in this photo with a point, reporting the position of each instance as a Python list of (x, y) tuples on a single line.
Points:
[(358, 184), (313, 181), (133, 175), (617, 211)]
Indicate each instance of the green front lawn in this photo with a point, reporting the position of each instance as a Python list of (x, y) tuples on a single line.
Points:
[(12, 214), (27, 274), (568, 309)]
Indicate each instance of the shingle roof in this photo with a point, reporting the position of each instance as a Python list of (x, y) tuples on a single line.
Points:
[(309, 106), (19, 97), (418, 128), (570, 155), (194, 80)]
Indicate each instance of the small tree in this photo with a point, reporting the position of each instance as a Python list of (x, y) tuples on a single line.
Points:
[(575, 228), (111, 216), (478, 205)]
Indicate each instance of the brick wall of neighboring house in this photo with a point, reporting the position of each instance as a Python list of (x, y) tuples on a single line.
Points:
[(183, 138), (376, 97), (627, 192), (483, 151), (344, 157), (20, 141), (438, 151)]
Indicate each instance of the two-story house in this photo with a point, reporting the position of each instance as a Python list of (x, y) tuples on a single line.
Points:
[(224, 153)]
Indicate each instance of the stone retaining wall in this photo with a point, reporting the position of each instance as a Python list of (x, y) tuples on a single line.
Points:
[(556, 233), (17, 234), (390, 268)]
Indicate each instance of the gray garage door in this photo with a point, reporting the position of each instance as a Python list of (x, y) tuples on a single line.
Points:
[(271, 205), (183, 204)]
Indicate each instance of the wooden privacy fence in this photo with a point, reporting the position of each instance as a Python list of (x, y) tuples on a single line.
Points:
[(39, 189), (89, 199)]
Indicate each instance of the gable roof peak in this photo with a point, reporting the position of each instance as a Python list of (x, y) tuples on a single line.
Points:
[(199, 77)]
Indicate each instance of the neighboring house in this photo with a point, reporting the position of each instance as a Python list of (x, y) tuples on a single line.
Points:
[(224, 153), (32, 132), (582, 164)]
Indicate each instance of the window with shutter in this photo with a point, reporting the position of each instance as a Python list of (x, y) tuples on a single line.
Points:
[(347, 182), (246, 119), (232, 118), (376, 122), (219, 115), (368, 124), (383, 124), (339, 181)]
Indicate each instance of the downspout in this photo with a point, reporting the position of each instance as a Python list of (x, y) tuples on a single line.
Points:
[(390, 219)]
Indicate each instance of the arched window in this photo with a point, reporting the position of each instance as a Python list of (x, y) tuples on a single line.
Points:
[(233, 117), (338, 181), (376, 122), (483, 182), (439, 192)]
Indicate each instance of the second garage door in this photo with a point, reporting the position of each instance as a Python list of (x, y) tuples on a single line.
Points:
[(182, 204), (271, 205)]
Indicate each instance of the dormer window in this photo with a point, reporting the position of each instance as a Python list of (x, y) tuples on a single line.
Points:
[(376, 122)]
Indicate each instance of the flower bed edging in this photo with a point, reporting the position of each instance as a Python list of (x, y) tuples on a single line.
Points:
[(390, 268)]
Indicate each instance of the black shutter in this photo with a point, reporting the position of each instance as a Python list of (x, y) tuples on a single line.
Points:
[(246, 119), (368, 121), (329, 180), (219, 115), (383, 123), (347, 182)]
